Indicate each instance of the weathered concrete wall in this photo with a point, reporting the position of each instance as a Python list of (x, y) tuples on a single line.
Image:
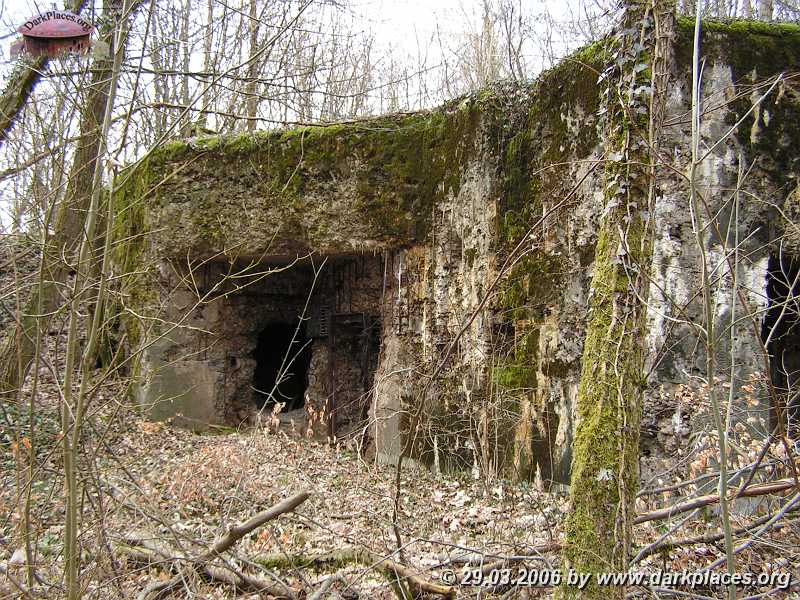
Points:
[(441, 199)]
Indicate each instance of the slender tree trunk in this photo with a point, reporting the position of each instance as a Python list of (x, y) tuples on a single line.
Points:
[(74, 404), (251, 88), (606, 445), (208, 64), (699, 226)]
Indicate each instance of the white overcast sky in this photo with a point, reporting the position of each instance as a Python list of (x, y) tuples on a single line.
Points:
[(405, 25), (397, 20)]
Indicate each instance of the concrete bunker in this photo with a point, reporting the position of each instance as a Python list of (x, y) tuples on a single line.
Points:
[(413, 216)]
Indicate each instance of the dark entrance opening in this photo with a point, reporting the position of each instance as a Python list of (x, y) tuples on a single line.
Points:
[(281, 373), (781, 330)]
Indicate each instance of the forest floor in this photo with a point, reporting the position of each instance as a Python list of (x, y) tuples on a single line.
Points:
[(185, 489), (150, 481)]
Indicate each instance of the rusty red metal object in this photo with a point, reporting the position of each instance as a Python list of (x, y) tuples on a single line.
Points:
[(52, 33), (56, 24)]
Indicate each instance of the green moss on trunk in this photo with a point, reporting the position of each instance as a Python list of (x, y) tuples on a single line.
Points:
[(604, 478)]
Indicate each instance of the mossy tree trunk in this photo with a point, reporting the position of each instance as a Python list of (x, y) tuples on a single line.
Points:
[(604, 477)]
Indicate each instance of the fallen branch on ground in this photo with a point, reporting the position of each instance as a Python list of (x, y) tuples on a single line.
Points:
[(141, 550), (706, 539), (24, 591), (326, 586), (237, 532), (536, 553), (390, 569), (763, 489)]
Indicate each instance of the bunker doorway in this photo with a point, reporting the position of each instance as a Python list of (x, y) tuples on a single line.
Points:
[(781, 331), (282, 355)]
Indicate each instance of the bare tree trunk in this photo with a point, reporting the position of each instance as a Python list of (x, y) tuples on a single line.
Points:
[(208, 65), (606, 446), (185, 54), (251, 88), (73, 405)]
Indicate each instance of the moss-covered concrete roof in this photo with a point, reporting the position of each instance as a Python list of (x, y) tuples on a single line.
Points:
[(374, 183)]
